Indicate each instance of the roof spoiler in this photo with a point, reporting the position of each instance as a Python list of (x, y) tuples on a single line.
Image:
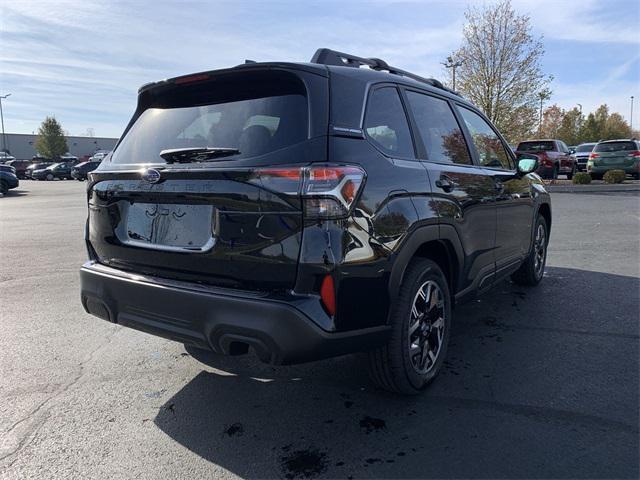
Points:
[(326, 56)]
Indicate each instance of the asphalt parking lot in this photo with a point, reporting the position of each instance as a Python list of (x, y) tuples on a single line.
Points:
[(539, 382)]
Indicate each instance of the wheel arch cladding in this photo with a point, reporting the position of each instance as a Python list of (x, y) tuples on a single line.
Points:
[(545, 211), (438, 243)]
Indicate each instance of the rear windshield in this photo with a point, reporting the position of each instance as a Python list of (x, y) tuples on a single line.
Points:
[(585, 148), (615, 147), (256, 115), (537, 146)]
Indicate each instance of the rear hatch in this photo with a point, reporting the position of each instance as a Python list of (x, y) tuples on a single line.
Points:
[(619, 154), (222, 204)]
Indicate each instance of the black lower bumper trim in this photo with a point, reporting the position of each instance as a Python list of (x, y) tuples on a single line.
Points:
[(278, 332)]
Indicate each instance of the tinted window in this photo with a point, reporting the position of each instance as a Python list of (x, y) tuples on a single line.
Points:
[(386, 123), (587, 147), (491, 152), (256, 115), (615, 147), (438, 129), (536, 146)]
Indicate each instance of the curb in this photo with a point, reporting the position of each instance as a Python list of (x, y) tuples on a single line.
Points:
[(601, 188)]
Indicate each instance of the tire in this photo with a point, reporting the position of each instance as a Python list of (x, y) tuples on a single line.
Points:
[(572, 173), (4, 188), (531, 271), (49, 177), (596, 176), (391, 366)]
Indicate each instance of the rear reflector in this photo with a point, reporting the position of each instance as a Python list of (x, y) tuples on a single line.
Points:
[(328, 295)]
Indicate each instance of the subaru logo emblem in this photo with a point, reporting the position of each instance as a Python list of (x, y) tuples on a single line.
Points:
[(151, 176)]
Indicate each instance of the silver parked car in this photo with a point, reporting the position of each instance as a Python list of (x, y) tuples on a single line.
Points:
[(581, 155)]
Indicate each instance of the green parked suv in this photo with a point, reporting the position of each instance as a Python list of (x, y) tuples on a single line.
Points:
[(615, 155)]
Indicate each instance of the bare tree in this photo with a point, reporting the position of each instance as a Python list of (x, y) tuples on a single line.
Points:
[(500, 67)]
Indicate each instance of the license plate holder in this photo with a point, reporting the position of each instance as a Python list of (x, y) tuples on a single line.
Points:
[(167, 226)]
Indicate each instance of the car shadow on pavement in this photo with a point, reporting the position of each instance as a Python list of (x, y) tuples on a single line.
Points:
[(539, 382)]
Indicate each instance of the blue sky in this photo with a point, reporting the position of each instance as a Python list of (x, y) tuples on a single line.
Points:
[(83, 61)]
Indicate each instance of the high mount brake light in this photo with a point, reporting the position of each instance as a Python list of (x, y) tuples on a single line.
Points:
[(191, 79), (327, 191)]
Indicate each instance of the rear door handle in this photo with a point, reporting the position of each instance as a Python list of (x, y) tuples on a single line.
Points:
[(445, 183)]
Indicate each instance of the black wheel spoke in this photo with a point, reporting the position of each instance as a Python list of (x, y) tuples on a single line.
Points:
[(426, 327)]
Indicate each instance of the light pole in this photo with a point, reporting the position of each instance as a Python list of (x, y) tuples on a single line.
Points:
[(452, 65), (580, 105), (631, 116), (544, 95), (4, 139)]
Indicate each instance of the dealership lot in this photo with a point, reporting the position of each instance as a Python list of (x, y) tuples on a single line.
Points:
[(539, 382)]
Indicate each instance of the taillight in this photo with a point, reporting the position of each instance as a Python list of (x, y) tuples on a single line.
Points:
[(330, 191), (327, 191), (593, 155), (635, 154)]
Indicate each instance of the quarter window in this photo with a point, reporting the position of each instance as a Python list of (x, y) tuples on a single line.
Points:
[(490, 149), (439, 129), (386, 123)]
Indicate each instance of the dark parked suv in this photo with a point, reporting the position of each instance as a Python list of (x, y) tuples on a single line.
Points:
[(309, 210)]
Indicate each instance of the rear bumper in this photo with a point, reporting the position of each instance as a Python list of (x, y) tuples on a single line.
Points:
[(601, 169), (221, 320), (12, 182)]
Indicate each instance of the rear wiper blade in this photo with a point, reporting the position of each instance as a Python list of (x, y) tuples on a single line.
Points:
[(200, 154)]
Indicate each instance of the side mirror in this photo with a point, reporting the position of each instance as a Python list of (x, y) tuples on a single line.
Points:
[(527, 163)]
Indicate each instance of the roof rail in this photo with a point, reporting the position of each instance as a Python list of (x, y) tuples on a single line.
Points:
[(326, 56)]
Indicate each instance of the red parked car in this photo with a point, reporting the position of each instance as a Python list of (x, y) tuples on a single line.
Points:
[(553, 155)]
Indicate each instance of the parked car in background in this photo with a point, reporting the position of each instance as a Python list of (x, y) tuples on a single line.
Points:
[(20, 166), (28, 172), (615, 155), (61, 171), (68, 158), (581, 155), (6, 157), (99, 155), (80, 171), (8, 181), (7, 168), (554, 157)]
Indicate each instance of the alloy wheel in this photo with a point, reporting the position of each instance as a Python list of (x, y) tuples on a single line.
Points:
[(426, 327), (540, 246)]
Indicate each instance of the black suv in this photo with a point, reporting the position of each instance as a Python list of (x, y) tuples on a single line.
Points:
[(309, 210)]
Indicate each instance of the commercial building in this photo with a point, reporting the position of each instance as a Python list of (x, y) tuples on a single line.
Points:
[(22, 146)]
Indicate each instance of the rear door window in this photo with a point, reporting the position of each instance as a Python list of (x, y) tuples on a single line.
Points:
[(439, 129), (386, 123), (491, 151)]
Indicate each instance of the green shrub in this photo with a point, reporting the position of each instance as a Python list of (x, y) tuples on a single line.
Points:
[(614, 176), (582, 178)]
